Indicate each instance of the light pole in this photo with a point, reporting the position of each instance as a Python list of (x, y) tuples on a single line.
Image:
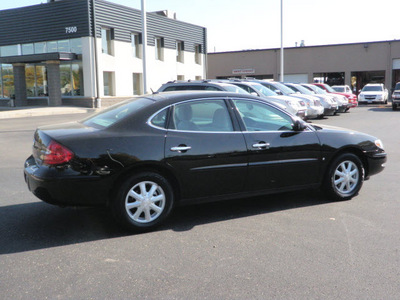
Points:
[(144, 45), (281, 77)]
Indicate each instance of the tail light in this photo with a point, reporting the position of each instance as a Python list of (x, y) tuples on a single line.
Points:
[(56, 154)]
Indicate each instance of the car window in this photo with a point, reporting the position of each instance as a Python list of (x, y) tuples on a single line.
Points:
[(212, 88), (160, 119), (205, 115), (116, 113), (257, 116)]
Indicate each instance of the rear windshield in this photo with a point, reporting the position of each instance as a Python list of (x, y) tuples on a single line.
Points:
[(115, 113)]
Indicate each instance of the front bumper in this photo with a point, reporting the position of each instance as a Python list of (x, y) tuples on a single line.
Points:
[(376, 163)]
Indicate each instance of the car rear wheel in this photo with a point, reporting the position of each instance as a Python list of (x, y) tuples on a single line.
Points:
[(143, 201), (344, 178)]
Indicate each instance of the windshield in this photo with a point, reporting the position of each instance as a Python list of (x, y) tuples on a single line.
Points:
[(329, 89), (263, 90), (319, 90), (303, 90), (339, 89), (117, 112), (283, 88), (235, 89), (372, 88)]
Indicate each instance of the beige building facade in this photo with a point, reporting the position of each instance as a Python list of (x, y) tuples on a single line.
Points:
[(351, 64)]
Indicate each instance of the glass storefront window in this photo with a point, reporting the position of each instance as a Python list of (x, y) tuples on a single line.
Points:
[(27, 49), (77, 79), (36, 80), (11, 50), (63, 46), (41, 81), (51, 47), (40, 48), (76, 46), (30, 80), (65, 77), (8, 80)]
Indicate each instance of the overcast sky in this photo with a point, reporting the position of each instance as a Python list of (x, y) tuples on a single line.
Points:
[(255, 24)]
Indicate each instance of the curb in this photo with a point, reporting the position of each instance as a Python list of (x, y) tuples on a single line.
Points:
[(9, 113)]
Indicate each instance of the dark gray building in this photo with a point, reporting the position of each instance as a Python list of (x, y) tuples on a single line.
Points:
[(74, 52)]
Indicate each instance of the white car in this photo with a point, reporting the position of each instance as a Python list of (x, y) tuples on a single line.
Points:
[(373, 92)]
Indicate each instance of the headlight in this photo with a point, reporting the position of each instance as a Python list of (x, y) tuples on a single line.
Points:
[(379, 97), (379, 144)]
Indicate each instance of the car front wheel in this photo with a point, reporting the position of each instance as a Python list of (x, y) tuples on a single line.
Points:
[(143, 201), (344, 178)]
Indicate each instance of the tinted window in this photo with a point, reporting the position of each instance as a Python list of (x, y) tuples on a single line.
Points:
[(116, 113), (160, 119), (261, 117), (205, 115)]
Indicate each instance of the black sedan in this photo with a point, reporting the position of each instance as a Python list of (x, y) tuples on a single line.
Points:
[(146, 155)]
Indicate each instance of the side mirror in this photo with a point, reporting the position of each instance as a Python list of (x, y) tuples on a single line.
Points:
[(298, 125)]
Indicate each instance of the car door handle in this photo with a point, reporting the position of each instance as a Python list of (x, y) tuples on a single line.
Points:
[(261, 145), (181, 148)]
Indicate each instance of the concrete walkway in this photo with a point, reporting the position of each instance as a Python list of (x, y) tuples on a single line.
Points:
[(22, 112)]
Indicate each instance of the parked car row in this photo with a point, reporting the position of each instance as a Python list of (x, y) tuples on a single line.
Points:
[(308, 101)]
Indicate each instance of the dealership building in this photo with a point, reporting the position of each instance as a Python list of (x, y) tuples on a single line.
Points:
[(353, 64), (89, 53)]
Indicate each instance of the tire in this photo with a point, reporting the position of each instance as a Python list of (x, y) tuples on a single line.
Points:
[(142, 202), (394, 106), (344, 178)]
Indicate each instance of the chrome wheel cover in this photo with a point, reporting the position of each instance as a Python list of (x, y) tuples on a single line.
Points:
[(145, 202), (346, 177)]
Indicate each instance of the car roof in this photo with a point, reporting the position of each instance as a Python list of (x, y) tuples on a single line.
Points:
[(177, 96)]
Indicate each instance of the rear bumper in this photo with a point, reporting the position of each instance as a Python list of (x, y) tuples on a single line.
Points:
[(64, 188)]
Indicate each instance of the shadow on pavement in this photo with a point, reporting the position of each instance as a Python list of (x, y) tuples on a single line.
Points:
[(33, 226)]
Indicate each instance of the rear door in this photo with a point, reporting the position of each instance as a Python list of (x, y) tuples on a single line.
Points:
[(206, 148)]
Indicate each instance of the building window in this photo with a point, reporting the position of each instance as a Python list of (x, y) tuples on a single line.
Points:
[(36, 80), (63, 46), (7, 78), (198, 78), (12, 50), (179, 51), (159, 45), (197, 56), (137, 83), (76, 45), (108, 82), (136, 41), (52, 47), (40, 48), (106, 36), (71, 79), (27, 49), (180, 77)]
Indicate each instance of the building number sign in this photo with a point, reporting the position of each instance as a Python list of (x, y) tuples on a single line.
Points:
[(72, 29)]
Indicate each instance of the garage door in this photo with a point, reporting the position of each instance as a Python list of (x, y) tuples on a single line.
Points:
[(296, 78)]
